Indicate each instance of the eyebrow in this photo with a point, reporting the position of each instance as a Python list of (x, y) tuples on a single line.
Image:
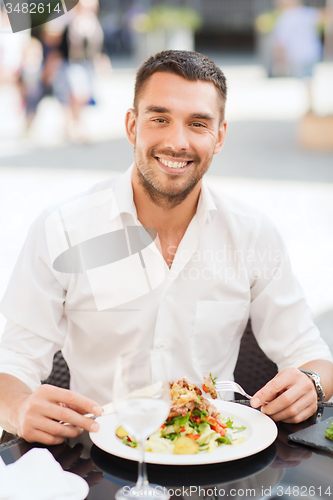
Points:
[(156, 109), (197, 116), (203, 116)]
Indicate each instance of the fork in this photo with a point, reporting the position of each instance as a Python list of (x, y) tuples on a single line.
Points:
[(227, 385)]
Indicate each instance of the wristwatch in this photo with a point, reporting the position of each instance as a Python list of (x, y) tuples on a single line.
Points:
[(317, 383)]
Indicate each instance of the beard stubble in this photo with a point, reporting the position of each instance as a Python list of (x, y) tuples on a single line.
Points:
[(164, 197)]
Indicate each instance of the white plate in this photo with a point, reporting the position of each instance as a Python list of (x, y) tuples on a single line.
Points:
[(260, 432)]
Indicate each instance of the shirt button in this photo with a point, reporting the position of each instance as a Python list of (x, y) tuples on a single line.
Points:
[(162, 345)]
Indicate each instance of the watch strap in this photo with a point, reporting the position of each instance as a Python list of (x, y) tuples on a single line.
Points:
[(317, 383)]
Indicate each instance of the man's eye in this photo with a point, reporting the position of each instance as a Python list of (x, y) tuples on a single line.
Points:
[(159, 120), (197, 125)]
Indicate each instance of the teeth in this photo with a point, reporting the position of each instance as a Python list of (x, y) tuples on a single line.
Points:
[(173, 164)]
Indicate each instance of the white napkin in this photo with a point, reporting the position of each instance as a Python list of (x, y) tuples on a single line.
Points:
[(38, 476)]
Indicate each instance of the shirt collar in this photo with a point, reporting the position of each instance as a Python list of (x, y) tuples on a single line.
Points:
[(206, 206), (123, 193)]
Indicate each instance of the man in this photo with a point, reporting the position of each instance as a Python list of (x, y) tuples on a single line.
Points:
[(297, 46), (189, 292)]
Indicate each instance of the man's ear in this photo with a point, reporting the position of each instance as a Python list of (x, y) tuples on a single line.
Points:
[(130, 122), (220, 137)]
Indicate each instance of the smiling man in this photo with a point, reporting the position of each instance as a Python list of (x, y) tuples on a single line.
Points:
[(179, 136), (176, 127), (189, 292)]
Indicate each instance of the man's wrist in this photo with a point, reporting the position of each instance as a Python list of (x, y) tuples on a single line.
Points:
[(14, 413), (316, 382)]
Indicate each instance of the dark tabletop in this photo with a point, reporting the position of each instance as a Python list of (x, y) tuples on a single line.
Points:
[(287, 469)]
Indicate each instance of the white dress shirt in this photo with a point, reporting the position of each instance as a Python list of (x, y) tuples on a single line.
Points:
[(231, 263)]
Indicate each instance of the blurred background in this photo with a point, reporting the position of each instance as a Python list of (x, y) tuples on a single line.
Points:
[(65, 86)]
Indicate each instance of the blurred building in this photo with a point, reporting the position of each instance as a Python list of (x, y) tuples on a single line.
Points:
[(227, 24)]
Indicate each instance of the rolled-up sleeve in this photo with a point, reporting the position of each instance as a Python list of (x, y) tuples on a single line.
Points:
[(33, 305), (281, 319)]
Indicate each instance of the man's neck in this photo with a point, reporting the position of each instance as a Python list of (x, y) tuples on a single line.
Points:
[(163, 217), (170, 221)]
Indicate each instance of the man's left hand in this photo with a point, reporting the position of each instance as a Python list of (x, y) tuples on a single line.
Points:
[(289, 397)]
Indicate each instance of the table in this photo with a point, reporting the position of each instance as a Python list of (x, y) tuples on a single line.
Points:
[(282, 471)]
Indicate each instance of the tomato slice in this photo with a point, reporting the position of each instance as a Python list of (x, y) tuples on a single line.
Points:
[(193, 436)]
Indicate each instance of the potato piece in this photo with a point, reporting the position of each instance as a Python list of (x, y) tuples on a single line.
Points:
[(185, 446), (121, 432)]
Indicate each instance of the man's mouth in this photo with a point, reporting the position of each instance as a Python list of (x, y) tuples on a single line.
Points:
[(173, 164)]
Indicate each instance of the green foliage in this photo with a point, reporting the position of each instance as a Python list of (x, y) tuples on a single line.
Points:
[(165, 17), (265, 22)]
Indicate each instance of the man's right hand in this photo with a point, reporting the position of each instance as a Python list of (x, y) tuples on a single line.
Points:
[(36, 417)]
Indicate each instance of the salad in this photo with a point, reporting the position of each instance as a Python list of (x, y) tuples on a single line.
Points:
[(329, 431), (193, 425)]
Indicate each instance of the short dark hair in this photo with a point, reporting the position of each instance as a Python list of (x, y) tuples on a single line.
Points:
[(188, 64)]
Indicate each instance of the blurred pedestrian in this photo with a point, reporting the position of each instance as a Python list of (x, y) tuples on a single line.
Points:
[(71, 54), (85, 43), (31, 78), (85, 34), (12, 46), (296, 41), (44, 69)]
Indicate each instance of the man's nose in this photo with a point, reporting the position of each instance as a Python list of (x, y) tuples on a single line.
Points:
[(176, 137)]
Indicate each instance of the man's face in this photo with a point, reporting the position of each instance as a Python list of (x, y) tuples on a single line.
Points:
[(175, 133)]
